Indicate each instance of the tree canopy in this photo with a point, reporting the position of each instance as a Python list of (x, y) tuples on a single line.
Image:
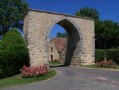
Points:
[(63, 35), (88, 12), (106, 31), (107, 34), (11, 14)]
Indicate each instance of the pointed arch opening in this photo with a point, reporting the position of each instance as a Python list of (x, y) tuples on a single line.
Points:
[(71, 49)]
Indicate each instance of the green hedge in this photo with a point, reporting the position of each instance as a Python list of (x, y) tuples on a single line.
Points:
[(13, 53), (99, 55), (110, 54), (113, 54)]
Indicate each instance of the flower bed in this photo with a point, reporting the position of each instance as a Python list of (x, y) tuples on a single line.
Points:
[(28, 72), (105, 63)]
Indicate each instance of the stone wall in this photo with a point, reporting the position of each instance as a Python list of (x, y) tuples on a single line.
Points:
[(81, 43)]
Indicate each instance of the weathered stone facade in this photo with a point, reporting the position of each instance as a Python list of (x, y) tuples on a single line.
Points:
[(57, 49), (81, 43), (53, 52)]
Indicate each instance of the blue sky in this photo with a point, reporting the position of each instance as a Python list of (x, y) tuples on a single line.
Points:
[(108, 9)]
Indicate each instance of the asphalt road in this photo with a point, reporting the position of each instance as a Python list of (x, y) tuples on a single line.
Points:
[(76, 79)]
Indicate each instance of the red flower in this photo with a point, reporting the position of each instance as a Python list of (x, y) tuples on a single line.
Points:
[(106, 63), (33, 71)]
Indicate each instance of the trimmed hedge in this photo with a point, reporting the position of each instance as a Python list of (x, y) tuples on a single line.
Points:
[(99, 55), (13, 53), (111, 54)]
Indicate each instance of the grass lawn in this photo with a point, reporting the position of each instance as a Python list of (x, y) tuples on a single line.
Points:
[(55, 63), (94, 66), (17, 80)]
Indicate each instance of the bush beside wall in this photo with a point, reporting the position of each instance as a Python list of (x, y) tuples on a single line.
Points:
[(110, 54), (13, 53), (99, 55), (113, 54)]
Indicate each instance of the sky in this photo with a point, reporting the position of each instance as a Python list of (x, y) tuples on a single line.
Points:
[(108, 9)]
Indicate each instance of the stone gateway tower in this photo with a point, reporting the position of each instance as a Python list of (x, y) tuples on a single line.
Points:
[(81, 42)]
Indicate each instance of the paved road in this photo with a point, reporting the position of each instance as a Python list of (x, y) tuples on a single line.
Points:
[(76, 79)]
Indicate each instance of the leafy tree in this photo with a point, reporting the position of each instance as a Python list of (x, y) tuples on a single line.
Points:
[(13, 53), (63, 35), (88, 12), (11, 14), (107, 34), (77, 13), (0, 34)]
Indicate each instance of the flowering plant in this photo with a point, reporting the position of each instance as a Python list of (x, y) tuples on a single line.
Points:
[(33, 71), (106, 63)]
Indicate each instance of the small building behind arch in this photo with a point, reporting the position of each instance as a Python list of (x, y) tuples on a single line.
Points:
[(57, 49)]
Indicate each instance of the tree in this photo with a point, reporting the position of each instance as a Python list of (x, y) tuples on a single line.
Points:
[(88, 12), (107, 34), (13, 53), (63, 35), (11, 14), (0, 34), (77, 13)]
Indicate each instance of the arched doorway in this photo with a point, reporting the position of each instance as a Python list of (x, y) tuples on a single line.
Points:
[(73, 44), (57, 44)]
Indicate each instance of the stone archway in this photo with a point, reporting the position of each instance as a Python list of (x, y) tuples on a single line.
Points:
[(81, 45)]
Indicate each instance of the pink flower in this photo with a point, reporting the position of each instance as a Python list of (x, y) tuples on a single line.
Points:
[(106, 63), (33, 71)]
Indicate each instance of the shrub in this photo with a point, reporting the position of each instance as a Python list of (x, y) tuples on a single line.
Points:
[(28, 72), (113, 54), (13, 53), (106, 63), (6, 64), (110, 54), (99, 55)]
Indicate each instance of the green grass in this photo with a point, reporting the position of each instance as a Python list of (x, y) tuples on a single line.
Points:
[(17, 80), (54, 63), (94, 66)]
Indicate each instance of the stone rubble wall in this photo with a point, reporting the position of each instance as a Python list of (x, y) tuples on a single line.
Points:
[(37, 26)]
